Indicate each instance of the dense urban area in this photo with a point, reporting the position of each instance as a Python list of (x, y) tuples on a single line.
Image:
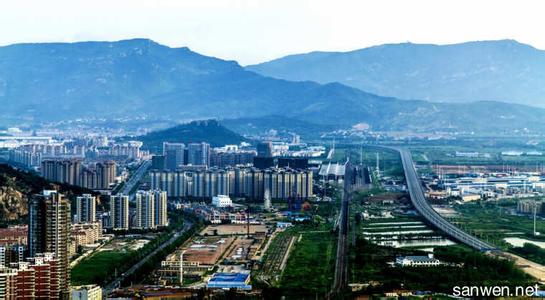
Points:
[(123, 215)]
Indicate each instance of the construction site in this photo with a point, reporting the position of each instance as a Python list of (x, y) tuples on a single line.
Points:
[(217, 248)]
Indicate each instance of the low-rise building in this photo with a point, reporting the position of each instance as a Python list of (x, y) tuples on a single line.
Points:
[(417, 261), (222, 201), (84, 234), (230, 281), (87, 292)]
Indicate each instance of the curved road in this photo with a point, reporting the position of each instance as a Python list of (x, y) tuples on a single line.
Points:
[(424, 208)]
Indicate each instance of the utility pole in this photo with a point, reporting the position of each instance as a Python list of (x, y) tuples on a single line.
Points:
[(248, 222), (378, 164), (361, 154), (535, 212), (181, 268)]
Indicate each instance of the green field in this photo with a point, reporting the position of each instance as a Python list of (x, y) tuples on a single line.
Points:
[(309, 270), (310, 267), (492, 221), (100, 267)]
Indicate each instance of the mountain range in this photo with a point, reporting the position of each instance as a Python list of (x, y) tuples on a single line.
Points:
[(502, 70), (134, 78)]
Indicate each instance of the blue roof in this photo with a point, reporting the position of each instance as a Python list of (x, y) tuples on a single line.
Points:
[(229, 277), (229, 280)]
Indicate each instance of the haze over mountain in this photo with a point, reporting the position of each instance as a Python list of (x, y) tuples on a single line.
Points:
[(503, 70), (60, 81)]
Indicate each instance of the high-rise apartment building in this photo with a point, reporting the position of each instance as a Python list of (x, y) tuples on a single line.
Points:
[(174, 155), (158, 162), (106, 173), (62, 170), (230, 159), (49, 232), (85, 209), (264, 149), (198, 154), (119, 212), (151, 209), (250, 183), (145, 210), (161, 211), (264, 158)]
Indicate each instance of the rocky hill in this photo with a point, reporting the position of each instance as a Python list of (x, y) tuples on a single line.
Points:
[(16, 186), (209, 131)]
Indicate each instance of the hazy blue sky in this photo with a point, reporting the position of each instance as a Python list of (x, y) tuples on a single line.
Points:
[(255, 31)]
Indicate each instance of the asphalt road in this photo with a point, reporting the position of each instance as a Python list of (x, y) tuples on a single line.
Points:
[(135, 178), (115, 283)]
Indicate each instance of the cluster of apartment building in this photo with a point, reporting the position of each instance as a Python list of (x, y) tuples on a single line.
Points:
[(13, 244), (98, 176), (31, 155), (130, 150), (530, 207), (178, 154), (244, 182), (151, 211), (34, 259)]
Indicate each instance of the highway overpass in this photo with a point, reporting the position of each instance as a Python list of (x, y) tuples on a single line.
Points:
[(419, 201)]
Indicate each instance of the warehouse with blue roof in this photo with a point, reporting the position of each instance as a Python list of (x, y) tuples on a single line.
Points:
[(230, 281)]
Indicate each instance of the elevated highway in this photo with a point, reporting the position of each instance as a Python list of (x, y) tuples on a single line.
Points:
[(419, 201)]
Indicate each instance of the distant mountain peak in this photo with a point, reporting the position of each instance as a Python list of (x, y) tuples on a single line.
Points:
[(139, 78), (500, 70)]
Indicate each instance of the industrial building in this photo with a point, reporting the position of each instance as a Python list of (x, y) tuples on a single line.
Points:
[(492, 185), (230, 281)]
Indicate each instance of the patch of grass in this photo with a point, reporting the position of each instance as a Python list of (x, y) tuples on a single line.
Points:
[(531, 252), (99, 268), (493, 221), (310, 267)]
